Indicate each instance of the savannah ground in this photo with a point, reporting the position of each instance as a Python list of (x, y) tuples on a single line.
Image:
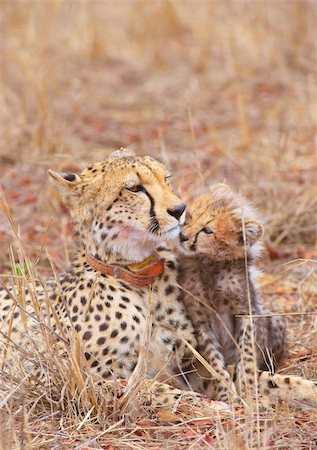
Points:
[(222, 91)]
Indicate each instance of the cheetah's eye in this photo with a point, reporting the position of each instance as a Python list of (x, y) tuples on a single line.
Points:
[(207, 230), (135, 188)]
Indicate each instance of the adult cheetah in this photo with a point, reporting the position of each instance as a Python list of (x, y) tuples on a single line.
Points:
[(122, 277)]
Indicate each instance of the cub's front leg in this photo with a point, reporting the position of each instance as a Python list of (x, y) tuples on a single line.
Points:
[(246, 371), (219, 384)]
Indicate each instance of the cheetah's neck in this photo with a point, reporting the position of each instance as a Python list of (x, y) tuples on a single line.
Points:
[(117, 249)]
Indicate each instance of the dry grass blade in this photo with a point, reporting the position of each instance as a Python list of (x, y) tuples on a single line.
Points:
[(226, 91)]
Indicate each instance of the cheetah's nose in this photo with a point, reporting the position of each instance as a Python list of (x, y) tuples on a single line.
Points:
[(183, 237), (177, 210)]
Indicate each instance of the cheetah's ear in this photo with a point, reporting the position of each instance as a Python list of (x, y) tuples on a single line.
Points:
[(68, 180), (122, 153), (67, 184), (253, 232)]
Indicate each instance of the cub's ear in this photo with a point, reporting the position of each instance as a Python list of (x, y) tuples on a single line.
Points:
[(223, 186), (253, 232), (219, 188)]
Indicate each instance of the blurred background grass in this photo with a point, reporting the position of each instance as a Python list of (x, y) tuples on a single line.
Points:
[(222, 90)]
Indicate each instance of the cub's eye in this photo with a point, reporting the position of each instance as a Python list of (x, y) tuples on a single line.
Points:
[(135, 188), (207, 230)]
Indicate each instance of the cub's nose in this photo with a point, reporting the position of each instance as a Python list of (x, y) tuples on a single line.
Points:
[(177, 210), (183, 237)]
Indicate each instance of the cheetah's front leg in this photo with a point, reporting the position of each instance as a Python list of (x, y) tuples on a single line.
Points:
[(158, 395)]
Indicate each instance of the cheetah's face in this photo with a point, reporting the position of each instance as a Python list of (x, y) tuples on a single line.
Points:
[(124, 202), (214, 226)]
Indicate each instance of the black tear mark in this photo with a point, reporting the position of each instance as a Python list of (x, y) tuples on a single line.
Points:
[(154, 221), (193, 246), (272, 385)]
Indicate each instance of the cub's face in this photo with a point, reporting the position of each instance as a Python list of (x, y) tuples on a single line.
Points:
[(125, 203), (214, 227)]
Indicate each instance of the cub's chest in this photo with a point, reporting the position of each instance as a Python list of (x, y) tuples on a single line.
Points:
[(223, 327)]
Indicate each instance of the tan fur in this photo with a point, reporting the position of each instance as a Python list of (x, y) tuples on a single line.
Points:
[(222, 233), (116, 225)]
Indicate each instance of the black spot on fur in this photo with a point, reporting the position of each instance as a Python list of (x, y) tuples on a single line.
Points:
[(114, 333), (103, 327), (171, 265), (169, 290), (205, 384), (87, 335)]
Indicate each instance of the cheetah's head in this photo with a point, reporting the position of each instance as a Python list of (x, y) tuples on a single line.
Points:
[(124, 206), (221, 224)]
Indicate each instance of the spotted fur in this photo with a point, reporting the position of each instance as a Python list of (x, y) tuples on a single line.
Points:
[(220, 245), (123, 209)]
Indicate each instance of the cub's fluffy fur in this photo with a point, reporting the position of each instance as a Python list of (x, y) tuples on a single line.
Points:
[(220, 245)]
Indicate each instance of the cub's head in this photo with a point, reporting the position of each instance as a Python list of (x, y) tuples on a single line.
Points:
[(214, 226), (123, 206)]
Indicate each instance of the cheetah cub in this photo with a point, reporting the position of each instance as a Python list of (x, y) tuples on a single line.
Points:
[(220, 246)]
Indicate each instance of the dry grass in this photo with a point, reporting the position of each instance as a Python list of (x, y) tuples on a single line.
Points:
[(223, 91)]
